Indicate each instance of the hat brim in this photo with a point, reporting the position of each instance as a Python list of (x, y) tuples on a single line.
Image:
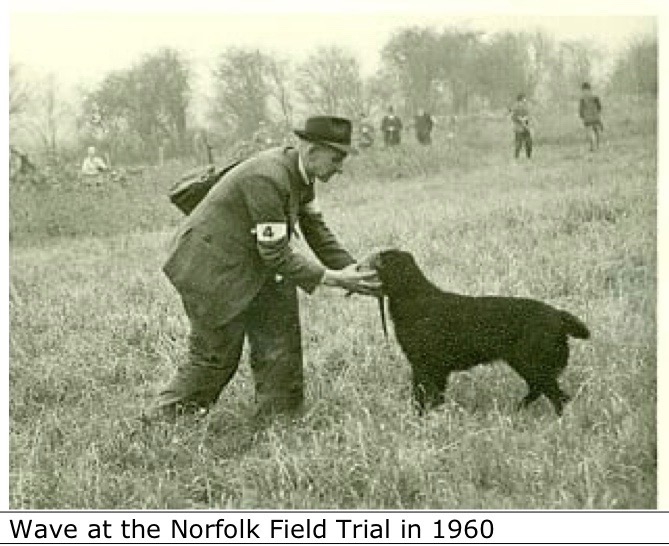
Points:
[(347, 149)]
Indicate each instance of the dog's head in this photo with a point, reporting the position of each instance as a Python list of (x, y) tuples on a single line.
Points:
[(397, 270)]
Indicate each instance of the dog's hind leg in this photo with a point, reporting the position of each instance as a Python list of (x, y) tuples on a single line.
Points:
[(556, 395), (521, 363), (555, 360), (539, 359)]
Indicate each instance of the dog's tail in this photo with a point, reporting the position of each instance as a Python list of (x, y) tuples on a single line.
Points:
[(574, 326)]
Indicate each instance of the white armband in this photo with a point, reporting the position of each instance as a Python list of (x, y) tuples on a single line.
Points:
[(271, 232)]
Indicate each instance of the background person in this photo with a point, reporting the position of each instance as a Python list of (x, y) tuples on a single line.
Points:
[(93, 165), (423, 124), (590, 112), (391, 127), (236, 271), (520, 116)]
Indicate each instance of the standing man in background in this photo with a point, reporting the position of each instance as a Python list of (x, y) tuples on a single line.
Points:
[(391, 127), (590, 112), (520, 116), (237, 272), (423, 124)]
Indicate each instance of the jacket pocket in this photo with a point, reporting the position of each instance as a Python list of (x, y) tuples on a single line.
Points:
[(197, 265)]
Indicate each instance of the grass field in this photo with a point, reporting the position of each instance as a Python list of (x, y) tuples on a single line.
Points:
[(95, 329)]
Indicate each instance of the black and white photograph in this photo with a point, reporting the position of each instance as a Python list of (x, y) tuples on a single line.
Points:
[(372, 256)]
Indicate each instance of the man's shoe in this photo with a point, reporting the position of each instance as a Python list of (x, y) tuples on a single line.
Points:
[(169, 413)]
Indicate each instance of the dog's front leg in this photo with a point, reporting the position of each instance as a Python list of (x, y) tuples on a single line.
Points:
[(428, 388)]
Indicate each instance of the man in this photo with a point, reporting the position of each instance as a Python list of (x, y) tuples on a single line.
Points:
[(236, 271), (423, 125), (93, 166), (590, 111), (521, 126), (391, 127)]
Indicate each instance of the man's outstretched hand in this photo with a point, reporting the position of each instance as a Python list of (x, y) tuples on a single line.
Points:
[(353, 280)]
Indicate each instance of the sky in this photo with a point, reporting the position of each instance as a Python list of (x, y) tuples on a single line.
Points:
[(81, 42)]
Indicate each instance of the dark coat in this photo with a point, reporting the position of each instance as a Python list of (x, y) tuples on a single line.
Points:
[(590, 109), (423, 124), (391, 126), (218, 262)]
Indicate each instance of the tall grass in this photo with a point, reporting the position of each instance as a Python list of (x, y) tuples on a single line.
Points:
[(95, 329)]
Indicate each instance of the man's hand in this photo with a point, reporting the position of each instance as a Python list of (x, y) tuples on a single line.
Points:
[(353, 280)]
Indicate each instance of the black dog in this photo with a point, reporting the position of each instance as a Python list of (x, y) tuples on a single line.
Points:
[(442, 332)]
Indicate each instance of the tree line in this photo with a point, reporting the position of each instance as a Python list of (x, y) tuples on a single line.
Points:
[(150, 105)]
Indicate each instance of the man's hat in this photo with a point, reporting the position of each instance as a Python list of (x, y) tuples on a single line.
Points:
[(330, 131)]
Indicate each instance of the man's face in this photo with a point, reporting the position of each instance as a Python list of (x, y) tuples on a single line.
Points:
[(324, 162)]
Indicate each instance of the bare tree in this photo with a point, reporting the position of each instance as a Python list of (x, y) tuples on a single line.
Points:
[(432, 69), (144, 107), (278, 75), (635, 72), (411, 59), (541, 53), (162, 87), (241, 91), (46, 115), (329, 82), (380, 90), (18, 91)]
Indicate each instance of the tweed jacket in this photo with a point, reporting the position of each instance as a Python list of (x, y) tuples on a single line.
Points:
[(218, 261)]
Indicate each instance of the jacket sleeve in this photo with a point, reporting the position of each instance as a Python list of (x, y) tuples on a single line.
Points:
[(265, 199), (320, 239)]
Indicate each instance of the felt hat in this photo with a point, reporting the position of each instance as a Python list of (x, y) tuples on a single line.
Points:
[(330, 131)]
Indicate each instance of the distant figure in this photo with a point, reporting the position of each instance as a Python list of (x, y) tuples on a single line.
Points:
[(391, 126), (451, 129), (590, 111), (366, 136), (93, 165), (423, 124), (520, 116)]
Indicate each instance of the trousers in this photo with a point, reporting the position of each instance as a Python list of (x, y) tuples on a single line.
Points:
[(271, 324), (523, 139)]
